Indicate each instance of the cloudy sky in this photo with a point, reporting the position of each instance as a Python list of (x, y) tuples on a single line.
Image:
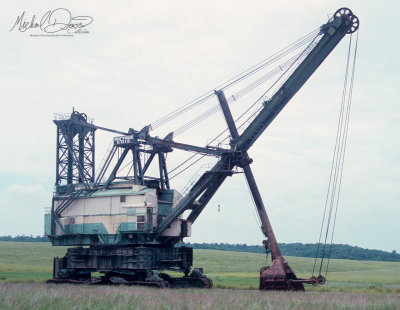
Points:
[(144, 59)]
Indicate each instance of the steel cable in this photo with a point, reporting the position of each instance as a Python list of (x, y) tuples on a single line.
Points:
[(236, 79), (337, 161), (334, 156), (287, 65), (336, 173), (295, 45), (344, 151)]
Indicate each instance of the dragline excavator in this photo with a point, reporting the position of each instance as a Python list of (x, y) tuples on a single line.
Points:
[(130, 229)]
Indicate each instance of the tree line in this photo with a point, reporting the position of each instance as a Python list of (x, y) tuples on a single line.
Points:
[(339, 251), (23, 238)]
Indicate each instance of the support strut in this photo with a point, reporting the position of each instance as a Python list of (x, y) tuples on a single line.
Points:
[(278, 276)]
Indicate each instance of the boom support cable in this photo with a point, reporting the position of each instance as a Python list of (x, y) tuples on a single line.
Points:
[(244, 75), (283, 68)]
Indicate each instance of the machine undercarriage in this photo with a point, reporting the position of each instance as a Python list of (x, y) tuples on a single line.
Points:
[(129, 265)]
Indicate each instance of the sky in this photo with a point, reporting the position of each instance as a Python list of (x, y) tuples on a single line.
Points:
[(143, 59)]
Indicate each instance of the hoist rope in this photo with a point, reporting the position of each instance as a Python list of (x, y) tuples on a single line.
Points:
[(344, 152), (334, 154), (336, 173)]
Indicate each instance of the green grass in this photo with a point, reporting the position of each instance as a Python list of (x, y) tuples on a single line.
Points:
[(241, 270), (27, 261), (65, 296), (32, 262)]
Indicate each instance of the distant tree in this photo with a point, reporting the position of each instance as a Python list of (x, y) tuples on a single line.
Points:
[(23, 238), (339, 251)]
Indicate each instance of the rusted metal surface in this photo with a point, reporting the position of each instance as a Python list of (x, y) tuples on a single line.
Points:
[(279, 276), (313, 280), (276, 276)]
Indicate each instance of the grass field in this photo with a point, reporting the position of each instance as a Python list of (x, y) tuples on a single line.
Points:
[(66, 296), (32, 262), (351, 284)]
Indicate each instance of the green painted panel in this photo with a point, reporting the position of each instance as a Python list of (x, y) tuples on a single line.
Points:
[(47, 224), (166, 195), (67, 240), (123, 237), (164, 208), (87, 228), (127, 226)]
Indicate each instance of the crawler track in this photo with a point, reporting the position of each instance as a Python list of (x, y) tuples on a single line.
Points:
[(195, 280)]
